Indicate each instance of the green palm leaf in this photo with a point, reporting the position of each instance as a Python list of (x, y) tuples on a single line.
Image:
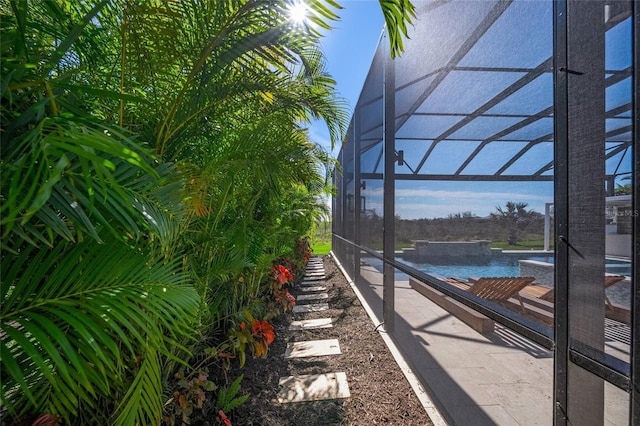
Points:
[(142, 404), (397, 14), (75, 319), (68, 162)]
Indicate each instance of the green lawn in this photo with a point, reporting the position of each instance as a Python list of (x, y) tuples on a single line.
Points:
[(320, 249), (522, 245), (321, 241)]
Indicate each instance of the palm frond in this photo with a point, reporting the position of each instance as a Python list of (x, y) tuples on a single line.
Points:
[(76, 318), (397, 14), (142, 404), (73, 177)]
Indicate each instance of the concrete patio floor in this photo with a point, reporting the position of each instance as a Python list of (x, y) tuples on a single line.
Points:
[(498, 378)]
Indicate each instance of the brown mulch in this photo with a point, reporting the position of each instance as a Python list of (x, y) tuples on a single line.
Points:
[(380, 394)]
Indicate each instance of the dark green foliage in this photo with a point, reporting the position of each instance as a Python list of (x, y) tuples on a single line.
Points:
[(228, 398), (154, 163)]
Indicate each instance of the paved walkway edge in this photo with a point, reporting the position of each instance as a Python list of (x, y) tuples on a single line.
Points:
[(418, 389)]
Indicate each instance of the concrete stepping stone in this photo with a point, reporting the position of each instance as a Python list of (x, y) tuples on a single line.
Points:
[(315, 268), (310, 288), (308, 278), (313, 387), (311, 324), (316, 307), (314, 274), (312, 348), (311, 297), (311, 282)]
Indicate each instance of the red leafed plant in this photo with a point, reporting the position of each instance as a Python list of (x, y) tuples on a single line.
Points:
[(282, 275), (39, 420), (263, 336), (303, 251), (285, 298), (258, 338), (224, 418), (189, 395)]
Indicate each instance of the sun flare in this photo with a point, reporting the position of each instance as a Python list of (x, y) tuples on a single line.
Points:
[(298, 13)]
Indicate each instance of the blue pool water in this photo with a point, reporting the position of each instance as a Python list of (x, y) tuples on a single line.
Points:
[(498, 267), (465, 271), (619, 267), (504, 266), (507, 266)]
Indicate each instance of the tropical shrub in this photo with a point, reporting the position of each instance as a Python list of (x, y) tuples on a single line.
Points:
[(91, 301), (154, 163)]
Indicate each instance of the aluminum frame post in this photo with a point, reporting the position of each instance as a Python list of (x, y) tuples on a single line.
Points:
[(357, 165), (388, 294), (635, 291)]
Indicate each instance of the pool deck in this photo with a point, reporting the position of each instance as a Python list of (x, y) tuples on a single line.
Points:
[(529, 252), (497, 378)]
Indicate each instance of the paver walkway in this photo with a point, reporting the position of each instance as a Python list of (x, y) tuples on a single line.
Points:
[(315, 387)]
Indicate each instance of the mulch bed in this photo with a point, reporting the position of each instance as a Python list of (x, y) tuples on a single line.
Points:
[(380, 394)]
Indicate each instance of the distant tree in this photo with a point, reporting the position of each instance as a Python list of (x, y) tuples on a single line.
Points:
[(624, 190), (461, 215), (516, 217)]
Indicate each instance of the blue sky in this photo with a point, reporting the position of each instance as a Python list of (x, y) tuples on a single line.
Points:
[(349, 49)]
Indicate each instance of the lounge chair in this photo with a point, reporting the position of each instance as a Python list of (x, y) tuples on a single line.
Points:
[(609, 280), (542, 298), (500, 289)]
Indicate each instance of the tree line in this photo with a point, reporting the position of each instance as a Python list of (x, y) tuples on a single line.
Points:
[(509, 225)]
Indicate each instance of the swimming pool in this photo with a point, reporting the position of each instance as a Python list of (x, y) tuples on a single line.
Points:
[(507, 266), (495, 268), (503, 266), (498, 267), (619, 267)]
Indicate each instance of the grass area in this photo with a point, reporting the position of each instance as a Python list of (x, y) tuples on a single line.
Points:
[(522, 245), (321, 241), (320, 249)]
